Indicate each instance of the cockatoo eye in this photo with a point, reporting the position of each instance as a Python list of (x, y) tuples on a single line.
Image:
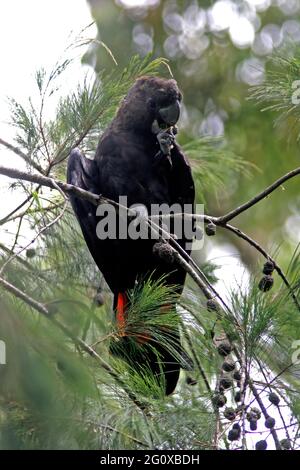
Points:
[(151, 103)]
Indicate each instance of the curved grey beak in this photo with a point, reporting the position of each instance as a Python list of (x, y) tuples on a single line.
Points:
[(170, 114)]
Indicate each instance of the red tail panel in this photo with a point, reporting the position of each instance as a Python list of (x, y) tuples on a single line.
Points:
[(120, 313)]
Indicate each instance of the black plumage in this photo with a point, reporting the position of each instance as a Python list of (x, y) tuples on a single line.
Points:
[(137, 157)]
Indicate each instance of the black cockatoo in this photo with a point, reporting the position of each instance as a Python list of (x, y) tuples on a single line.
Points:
[(137, 157)]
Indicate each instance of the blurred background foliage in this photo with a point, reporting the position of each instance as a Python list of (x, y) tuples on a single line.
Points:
[(231, 59)]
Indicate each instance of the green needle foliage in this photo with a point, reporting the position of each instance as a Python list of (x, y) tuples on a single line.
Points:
[(53, 393), (214, 163), (279, 92)]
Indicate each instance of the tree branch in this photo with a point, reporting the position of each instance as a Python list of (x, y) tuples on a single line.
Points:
[(96, 199), (221, 221), (180, 256), (51, 183), (21, 154), (235, 212)]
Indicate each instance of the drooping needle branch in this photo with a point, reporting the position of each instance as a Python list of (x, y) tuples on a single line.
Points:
[(91, 197), (184, 261), (7, 218), (94, 199), (223, 219), (220, 221), (42, 309)]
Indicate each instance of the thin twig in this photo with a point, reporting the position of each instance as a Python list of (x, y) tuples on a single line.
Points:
[(235, 212), (21, 154), (8, 217), (201, 370), (46, 227)]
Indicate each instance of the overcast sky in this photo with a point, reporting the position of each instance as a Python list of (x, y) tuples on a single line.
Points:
[(33, 34)]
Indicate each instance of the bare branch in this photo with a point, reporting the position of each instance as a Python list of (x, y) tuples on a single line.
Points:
[(235, 212), (222, 222), (95, 199), (50, 183)]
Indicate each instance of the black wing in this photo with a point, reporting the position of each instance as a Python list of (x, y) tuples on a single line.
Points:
[(113, 257), (83, 172)]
